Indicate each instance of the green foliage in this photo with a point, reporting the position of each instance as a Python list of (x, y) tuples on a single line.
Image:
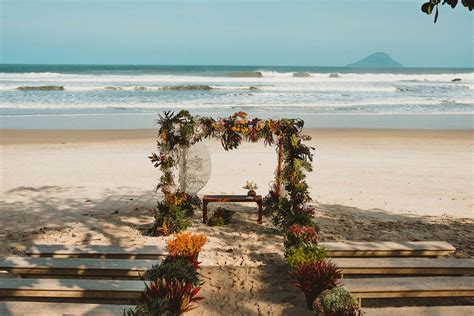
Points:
[(431, 5), (303, 254), (315, 277), (220, 217), (175, 268), (298, 235), (164, 297), (169, 219), (335, 302), (216, 221), (183, 130)]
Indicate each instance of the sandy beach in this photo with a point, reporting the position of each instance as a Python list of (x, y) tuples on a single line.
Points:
[(95, 187)]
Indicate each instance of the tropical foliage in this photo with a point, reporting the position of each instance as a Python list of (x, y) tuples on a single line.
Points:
[(304, 254), (186, 244), (336, 302), (297, 235), (286, 201), (178, 268), (220, 217), (431, 5)]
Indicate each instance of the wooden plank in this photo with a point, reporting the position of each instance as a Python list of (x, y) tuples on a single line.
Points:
[(97, 251), (410, 287), (421, 311), (15, 308), (30, 266), (431, 266), (388, 249), (71, 288)]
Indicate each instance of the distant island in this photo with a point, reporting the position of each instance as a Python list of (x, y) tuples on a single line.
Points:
[(376, 60)]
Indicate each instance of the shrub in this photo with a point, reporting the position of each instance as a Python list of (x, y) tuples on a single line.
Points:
[(216, 221), (186, 244), (173, 214), (162, 297), (174, 268), (303, 254), (297, 235), (335, 302), (221, 216), (285, 212), (169, 219), (315, 277)]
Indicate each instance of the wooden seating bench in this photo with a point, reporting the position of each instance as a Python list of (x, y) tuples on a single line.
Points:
[(28, 267), (16, 308), (231, 198), (122, 291), (420, 311), (97, 251), (405, 266), (388, 248), (410, 287)]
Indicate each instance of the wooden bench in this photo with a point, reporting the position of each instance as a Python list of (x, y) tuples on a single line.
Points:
[(410, 287), (231, 198), (16, 308), (97, 251), (406, 266), (122, 291), (421, 311), (388, 248), (27, 267)]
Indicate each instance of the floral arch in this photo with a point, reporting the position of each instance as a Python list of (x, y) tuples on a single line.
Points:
[(287, 200)]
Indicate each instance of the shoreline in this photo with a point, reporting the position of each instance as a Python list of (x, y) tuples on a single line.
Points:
[(146, 120)]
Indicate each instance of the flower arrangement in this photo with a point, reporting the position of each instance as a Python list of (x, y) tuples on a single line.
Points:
[(336, 302), (304, 254), (315, 277), (294, 157), (297, 235), (250, 185), (186, 244)]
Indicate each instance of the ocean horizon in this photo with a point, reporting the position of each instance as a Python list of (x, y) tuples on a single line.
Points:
[(129, 96)]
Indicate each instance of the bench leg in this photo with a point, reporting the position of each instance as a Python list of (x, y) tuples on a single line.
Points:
[(204, 212), (260, 212)]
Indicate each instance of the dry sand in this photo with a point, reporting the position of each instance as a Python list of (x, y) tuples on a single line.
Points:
[(94, 187)]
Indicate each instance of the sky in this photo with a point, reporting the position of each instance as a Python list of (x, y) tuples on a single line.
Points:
[(233, 32)]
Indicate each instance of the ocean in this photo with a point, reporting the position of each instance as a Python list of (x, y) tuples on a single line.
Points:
[(131, 96)]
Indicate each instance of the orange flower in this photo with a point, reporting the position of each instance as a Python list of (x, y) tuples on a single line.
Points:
[(186, 244)]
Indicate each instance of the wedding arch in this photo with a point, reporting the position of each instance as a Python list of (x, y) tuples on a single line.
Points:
[(288, 196)]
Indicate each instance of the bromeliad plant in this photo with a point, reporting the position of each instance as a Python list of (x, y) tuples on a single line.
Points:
[(175, 268), (288, 198), (315, 277), (166, 297), (298, 235)]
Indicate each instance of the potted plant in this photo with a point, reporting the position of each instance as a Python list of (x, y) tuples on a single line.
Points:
[(186, 245), (336, 302), (315, 277), (251, 186)]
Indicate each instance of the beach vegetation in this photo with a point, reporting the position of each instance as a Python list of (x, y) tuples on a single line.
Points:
[(166, 297), (175, 268), (336, 302), (221, 216), (186, 244), (315, 277), (298, 235), (432, 5), (287, 200), (303, 254)]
